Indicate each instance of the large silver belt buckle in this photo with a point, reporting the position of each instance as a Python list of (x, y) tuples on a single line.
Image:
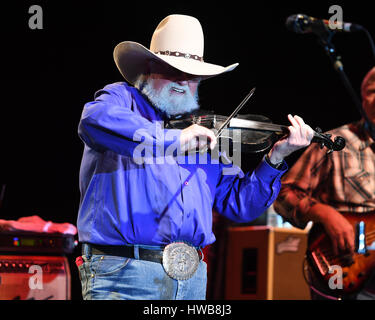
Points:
[(180, 260)]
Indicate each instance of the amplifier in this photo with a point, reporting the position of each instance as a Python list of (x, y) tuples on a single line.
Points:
[(33, 242), (30, 277), (266, 263)]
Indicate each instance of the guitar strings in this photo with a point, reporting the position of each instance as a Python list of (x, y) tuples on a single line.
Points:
[(332, 257)]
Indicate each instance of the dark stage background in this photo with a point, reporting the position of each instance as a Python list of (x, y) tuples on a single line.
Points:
[(49, 74)]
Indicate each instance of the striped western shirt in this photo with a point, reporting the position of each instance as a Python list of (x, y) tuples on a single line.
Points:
[(344, 180)]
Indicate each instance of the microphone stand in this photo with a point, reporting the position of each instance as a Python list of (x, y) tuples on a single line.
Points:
[(325, 40)]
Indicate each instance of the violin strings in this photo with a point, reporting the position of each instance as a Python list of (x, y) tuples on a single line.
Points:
[(257, 125), (245, 123)]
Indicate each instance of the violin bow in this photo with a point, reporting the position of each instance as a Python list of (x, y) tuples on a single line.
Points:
[(234, 113)]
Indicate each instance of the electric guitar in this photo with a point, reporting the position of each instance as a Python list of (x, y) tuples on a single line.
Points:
[(356, 268)]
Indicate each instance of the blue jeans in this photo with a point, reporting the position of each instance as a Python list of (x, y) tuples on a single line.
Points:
[(105, 277)]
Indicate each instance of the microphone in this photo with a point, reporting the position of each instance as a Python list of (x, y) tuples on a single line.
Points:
[(301, 23)]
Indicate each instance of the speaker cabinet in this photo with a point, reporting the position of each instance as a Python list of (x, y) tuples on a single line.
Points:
[(27, 277), (266, 263)]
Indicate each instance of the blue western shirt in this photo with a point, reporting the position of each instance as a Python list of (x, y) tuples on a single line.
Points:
[(155, 202)]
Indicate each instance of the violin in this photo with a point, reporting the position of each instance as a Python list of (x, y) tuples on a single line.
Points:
[(256, 133)]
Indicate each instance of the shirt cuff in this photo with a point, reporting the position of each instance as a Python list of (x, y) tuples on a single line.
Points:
[(269, 173), (276, 166)]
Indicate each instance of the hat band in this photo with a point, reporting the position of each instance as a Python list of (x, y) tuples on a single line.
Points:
[(180, 54)]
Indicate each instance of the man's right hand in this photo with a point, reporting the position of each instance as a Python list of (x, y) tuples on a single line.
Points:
[(340, 231), (338, 228), (197, 136)]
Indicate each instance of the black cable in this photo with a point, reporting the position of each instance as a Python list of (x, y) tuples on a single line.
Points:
[(371, 40)]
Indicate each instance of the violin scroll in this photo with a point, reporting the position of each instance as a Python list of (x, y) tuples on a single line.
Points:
[(325, 141)]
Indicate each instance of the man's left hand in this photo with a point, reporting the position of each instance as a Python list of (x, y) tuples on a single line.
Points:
[(300, 136)]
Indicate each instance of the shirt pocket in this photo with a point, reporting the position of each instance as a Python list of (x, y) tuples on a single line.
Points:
[(358, 186)]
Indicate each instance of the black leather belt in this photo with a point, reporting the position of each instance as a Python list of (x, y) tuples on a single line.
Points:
[(125, 251)]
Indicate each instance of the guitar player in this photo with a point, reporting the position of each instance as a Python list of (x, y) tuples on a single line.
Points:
[(322, 187)]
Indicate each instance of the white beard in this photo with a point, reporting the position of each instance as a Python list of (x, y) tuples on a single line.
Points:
[(163, 101)]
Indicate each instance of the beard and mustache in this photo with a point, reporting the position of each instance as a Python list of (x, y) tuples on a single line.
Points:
[(171, 105)]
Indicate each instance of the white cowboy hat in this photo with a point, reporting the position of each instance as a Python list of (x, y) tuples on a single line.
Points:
[(178, 41)]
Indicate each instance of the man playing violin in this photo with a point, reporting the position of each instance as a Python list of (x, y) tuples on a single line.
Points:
[(142, 225), (321, 187)]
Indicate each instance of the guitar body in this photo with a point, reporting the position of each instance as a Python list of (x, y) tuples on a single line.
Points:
[(356, 268)]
